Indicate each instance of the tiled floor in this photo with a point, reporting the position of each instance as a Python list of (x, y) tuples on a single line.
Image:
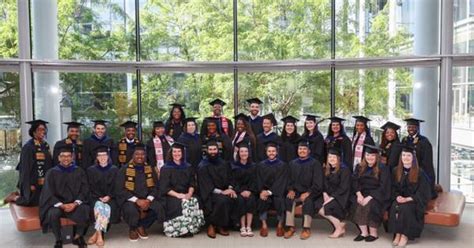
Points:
[(433, 236)]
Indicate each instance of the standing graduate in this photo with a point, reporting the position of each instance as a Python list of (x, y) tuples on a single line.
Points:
[(137, 195), (305, 185), (158, 145), (191, 139), (272, 179), (254, 117), (177, 185), (424, 151), (289, 139), (360, 136), (410, 195), (213, 132), (244, 180), (390, 145), (224, 123), (98, 137), (65, 195), (244, 133), (35, 161), (371, 184), (73, 139), (175, 123), (337, 186), (101, 177), (337, 138), (267, 135), (216, 191), (316, 139), (126, 145)]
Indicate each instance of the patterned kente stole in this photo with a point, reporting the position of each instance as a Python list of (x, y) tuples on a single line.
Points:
[(40, 159), (131, 173), (122, 149)]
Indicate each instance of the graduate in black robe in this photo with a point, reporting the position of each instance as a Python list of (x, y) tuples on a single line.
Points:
[(390, 145), (272, 179), (137, 195), (337, 138), (65, 195), (371, 193), (158, 146), (360, 136), (73, 138), (254, 118), (337, 188), (126, 145), (216, 191), (424, 151), (314, 136), (175, 123), (35, 161), (98, 137), (223, 123), (410, 195), (191, 138), (305, 185), (101, 177), (289, 138), (214, 132), (244, 133), (267, 135), (244, 181)]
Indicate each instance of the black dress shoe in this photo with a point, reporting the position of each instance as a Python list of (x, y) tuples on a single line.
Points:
[(359, 238), (58, 244), (80, 242), (187, 235), (371, 238)]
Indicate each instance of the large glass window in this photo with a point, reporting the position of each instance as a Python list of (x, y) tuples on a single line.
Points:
[(8, 29), (463, 26)]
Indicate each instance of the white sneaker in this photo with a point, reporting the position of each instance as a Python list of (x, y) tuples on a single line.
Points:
[(243, 232), (249, 232)]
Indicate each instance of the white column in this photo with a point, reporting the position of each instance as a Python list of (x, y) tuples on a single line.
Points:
[(392, 85), (362, 27)]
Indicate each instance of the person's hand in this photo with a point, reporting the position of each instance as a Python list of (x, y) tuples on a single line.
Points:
[(188, 195), (264, 195), (304, 196), (366, 200), (180, 196), (230, 192), (328, 200), (143, 204), (105, 199), (245, 194), (325, 197), (291, 194), (32, 188), (360, 198), (69, 207), (400, 199)]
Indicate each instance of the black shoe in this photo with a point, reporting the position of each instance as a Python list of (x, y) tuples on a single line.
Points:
[(360, 238), (58, 244), (80, 242), (187, 235), (371, 238)]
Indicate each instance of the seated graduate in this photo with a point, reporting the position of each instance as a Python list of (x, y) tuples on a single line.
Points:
[(410, 195), (183, 218), (337, 186), (305, 185), (190, 137), (65, 195), (243, 133), (312, 133), (137, 192), (337, 138), (289, 138), (272, 179), (371, 184), (360, 136), (157, 146), (216, 191), (268, 134), (175, 123), (390, 145), (212, 131), (126, 145), (102, 197), (244, 179), (73, 138), (35, 161), (98, 137)]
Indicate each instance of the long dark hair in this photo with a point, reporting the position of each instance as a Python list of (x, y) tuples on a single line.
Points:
[(35, 126), (293, 136), (169, 155), (306, 131), (183, 115), (413, 174), (331, 133), (384, 141), (364, 165), (367, 129), (248, 131)]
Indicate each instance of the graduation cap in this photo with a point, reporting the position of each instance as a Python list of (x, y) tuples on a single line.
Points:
[(179, 145), (391, 125), (371, 149), (190, 119), (407, 148), (65, 148), (243, 144), (100, 122), (241, 116), (179, 105), (101, 148), (129, 124), (217, 101), (304, 142), (271, 143), (211, 142), (413, 121), (289, 119), (212, 119), (336, 119), (361, 118), (311, 117), (140, 147), (158, 124), (270, 117), (37, 122), (73, 124), (254, 100), (334, 151)]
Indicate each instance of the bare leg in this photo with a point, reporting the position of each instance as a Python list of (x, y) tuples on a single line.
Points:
[(249, 219), (242, 221), (363, 230), (396, 240), (373, 232), (403, 240)]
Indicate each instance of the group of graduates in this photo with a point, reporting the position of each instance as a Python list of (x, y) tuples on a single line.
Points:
[(224, 175)]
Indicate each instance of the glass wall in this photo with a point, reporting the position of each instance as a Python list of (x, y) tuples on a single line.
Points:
[(8, 29), (463, 26)]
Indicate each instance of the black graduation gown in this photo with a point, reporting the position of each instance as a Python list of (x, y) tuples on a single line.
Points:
[(65, 186), (102, 183), (289, 148), (88, 152), (344, 144), (336, 185), (150, 150), (368, 141), (316, 145), (378, 188), (193, 149), (29, 173), (77, 150), (305, 176), (424, 155), (391, 152), (178, 178), (216, 174), (174, 129), (223, 142), (261, 139), (230, 133), (411, 215), (273, 176), (128, 152), (244, 177), (252, 149), (256, 125)]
